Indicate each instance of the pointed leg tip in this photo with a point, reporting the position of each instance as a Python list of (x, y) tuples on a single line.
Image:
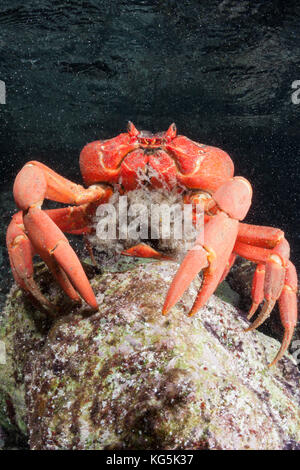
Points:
[(192, 312), (165, 311), (264, 314), (288, 335), (89, 298), (250, 328), (93, 304), (252, 311), (276, 359), (33, 290), (168, 305)]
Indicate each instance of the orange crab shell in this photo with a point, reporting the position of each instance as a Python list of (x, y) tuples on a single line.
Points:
[(179, 162)]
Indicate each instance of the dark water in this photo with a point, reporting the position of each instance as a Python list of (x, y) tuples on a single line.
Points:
[(76, 71)]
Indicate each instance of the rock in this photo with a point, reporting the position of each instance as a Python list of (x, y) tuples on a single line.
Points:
[(226, 293), (126, 377), (240, 280), (2, 439), (84, 70)]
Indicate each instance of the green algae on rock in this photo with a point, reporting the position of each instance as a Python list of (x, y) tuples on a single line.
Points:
[(126, 377)]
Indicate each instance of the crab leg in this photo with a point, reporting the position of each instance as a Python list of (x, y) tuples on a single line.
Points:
[(233, 200), (229, 265), (53, 247), (270, 273), (75, 220), (72, 219), (275, 277), (265, 237), (41, 235), (288, 309), (69, 219), (20, 253), (220, 245), (257, 292), (35, 175), (275, 262), (219, 238)]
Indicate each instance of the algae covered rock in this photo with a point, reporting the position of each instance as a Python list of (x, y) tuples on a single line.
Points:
[(125, 377)]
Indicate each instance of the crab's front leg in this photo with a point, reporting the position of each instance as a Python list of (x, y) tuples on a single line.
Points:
[(33, 230), (213, 249), (275, 277)]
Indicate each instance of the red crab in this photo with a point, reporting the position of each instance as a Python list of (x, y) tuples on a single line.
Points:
[(206, 172)]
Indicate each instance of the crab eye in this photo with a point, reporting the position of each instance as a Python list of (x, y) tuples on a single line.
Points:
[(132, 130), (171, 132)]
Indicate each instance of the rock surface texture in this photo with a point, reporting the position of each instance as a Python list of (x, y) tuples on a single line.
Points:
[(127, 378), (222, 70)]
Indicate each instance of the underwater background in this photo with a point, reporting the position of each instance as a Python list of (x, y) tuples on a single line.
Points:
[(76, 71)]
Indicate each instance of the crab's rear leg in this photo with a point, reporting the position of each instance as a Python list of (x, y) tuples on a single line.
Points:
[(275, 277), (257, 292), (34, 183), (267, 247), (288, 309)]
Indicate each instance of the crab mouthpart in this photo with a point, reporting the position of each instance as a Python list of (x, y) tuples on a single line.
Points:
[(147, 139)]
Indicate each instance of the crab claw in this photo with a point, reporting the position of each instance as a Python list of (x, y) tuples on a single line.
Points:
[(213, 255), (53, 247), (20, 253), (132, 130)]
